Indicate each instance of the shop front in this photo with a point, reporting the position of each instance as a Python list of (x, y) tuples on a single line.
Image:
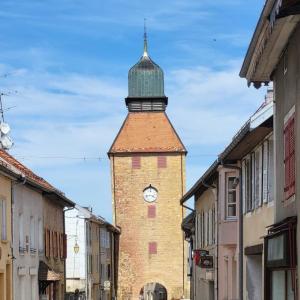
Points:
[(281, 261)]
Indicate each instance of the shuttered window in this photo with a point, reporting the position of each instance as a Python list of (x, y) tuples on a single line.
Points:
[(289, 157), (136, 162), (152, 248), (258, 177), (161, 161), (265, 175), (151, 211), (4, 220), (271, 171)]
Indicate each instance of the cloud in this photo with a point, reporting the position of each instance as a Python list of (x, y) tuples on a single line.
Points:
[(61, 118)]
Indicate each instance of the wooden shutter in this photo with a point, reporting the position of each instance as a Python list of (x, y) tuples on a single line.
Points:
[(136, 162), (46, 242), (271, 171), (289, 157), (265, 168), (161, 161), (65, 246), (258, 177)]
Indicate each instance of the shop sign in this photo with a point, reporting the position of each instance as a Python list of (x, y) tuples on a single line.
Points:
[(207, 262)]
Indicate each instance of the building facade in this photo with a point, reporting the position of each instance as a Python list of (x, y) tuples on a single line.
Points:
[(277, 60), (6, 235), (36, 207), (90, 263), (148, 176), (253, 152)]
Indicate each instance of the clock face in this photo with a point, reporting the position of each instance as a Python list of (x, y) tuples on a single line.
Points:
[(150, 193)]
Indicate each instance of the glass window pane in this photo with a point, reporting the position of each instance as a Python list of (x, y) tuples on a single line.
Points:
[(232, 197), (231, 210), (278, 285), (275, 248)]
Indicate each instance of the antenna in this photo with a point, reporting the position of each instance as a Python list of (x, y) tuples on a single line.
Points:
[(145, 39), (5, 141)]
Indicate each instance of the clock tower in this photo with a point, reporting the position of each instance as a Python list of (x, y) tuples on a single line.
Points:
[(148, 179)]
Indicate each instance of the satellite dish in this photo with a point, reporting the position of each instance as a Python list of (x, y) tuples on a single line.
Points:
[(6, 142), (4, 128)]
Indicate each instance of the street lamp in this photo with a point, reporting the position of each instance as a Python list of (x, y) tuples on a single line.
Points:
[(76, 247)]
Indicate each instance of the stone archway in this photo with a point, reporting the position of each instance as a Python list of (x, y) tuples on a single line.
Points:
[(153, 291)]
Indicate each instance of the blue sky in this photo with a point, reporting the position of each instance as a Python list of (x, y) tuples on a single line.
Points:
[(67, 64)]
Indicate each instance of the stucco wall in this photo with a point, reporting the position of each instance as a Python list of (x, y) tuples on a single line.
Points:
[(136, 266), (29, 203), (5, 257), (204, 280), (287, 94)]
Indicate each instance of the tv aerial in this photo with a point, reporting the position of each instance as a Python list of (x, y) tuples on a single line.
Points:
[(5, 140)]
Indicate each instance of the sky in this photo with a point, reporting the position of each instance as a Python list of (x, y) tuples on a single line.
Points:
[(64, 66)]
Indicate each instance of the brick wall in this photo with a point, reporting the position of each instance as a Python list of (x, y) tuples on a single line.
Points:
[(137, 266)]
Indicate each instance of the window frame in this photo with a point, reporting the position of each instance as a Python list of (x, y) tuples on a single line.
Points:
[(228, 176)]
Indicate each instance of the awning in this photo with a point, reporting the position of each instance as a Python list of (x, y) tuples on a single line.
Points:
[(47, 274)]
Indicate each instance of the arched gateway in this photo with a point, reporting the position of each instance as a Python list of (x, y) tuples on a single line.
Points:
[(153, 291)]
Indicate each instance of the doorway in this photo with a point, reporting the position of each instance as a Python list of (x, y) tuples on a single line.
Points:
[(254, 277), (153, 291)]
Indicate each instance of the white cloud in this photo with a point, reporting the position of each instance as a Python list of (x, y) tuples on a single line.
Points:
[(73, 116)]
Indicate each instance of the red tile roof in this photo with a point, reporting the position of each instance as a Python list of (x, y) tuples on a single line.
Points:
[(147, 132), (10, 160)]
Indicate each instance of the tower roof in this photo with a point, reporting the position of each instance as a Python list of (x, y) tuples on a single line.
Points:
[(145, 78), (147, 132)]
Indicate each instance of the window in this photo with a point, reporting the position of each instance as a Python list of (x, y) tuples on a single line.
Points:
[(152, 248), (161, 161), (230, 197), (32, 236), (136, 162), (4, 220), (151, 211), (289, 156)]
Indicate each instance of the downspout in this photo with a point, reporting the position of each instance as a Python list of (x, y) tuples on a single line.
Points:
[(241, 228)]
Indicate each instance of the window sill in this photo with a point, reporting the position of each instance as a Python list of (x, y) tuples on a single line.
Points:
[(229, 220), (4, 241)]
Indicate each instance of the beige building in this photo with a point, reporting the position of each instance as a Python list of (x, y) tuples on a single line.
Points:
[(6, 236), (273, 55), (148, 177), (252, 151), (38, 230)]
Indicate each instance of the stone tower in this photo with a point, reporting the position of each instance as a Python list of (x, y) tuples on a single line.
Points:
[(148, 179)]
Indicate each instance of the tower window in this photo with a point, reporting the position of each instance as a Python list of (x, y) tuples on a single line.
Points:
[(151, 211), (161, 161), (136, 162), (153, 248)]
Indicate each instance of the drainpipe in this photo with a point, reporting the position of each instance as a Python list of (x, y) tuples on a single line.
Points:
[(241, 228)]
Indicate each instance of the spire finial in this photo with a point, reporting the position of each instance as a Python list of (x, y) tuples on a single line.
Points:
[(145, 39)]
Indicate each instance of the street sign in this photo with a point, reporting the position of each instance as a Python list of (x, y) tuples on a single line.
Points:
[(207, 262)]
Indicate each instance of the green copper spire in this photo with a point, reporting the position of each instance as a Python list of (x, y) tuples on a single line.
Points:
[(146, 78)]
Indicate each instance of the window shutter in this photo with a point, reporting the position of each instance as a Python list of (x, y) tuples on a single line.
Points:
[(161, 161), (244, 185), (265, 162), (292, 156), (258, 177), (64, 246), (271, 171), (136, 162), (46, 242), (289, 157)]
